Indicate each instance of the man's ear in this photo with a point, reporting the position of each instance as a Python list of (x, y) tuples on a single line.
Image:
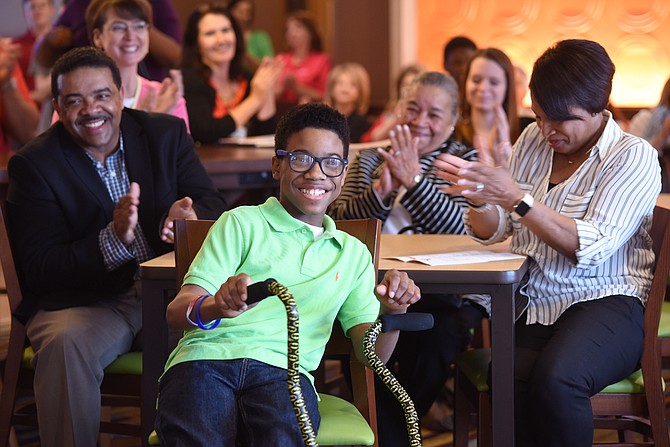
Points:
[(276, 167), (54, 102)]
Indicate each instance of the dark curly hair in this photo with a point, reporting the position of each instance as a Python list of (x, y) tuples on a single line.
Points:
[(82, 57), (312, 115), (572, 73), (191, 56)]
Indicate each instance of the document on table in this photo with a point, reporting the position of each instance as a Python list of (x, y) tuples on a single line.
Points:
[(459, 257), (257, 141)]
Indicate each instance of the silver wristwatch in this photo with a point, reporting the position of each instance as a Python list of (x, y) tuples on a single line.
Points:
[(415, 181)]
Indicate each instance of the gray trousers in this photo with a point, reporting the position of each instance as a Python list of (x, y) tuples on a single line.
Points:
[(72, 348)]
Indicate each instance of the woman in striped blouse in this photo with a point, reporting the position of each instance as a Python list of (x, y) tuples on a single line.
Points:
[(565, 196), (399, 185)]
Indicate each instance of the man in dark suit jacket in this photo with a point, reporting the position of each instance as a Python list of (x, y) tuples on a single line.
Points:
[(89, 200)]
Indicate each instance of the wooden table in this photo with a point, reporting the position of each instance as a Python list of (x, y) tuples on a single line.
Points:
[(499, 279), (231, 167), (663, 200), (238, 167)]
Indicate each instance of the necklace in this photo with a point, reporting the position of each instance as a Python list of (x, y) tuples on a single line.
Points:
[(587, 153)]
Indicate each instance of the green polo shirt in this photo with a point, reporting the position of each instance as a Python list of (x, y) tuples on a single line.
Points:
[(330, 278)]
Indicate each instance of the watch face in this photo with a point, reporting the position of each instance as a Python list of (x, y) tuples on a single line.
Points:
[(522, 208)]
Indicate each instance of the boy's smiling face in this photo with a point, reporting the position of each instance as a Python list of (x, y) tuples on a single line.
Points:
[(306, 195)]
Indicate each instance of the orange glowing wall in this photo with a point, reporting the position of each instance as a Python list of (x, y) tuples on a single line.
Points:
[(635, 33)]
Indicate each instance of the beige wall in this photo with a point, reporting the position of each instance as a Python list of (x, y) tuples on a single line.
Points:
[(636, 34)]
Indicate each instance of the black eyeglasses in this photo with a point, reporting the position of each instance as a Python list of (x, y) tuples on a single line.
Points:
[(331, 166)]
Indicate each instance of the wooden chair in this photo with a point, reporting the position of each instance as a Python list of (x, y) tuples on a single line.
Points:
[(341, 422), (120, 386), (634, 404)]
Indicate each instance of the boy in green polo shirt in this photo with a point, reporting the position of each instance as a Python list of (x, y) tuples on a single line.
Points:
[(226, 380)]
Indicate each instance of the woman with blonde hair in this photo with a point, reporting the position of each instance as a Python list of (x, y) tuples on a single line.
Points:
[(348, 91)]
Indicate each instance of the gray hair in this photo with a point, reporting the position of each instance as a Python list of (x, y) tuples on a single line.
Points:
[(436, 79)]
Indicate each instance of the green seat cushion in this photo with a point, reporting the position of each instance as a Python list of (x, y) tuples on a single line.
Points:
[(341, 424), (632, 384), (128, 363), (153, 439), (474, 364), (664, 325)]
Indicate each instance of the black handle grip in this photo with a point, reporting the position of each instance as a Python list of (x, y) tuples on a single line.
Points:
[(413, 321), (259, 291)]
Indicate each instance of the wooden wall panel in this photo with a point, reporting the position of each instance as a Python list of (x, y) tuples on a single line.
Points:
[(636, 34)]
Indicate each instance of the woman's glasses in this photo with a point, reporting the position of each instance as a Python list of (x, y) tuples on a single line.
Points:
[(121, 28), (331, 166)]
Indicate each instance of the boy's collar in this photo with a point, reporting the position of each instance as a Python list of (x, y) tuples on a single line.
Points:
[(280, 220)]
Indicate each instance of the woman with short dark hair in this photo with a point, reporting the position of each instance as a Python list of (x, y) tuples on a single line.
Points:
[(564, 196)]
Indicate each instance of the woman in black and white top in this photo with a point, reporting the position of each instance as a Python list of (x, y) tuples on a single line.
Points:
[(576, 197), (399, 186)]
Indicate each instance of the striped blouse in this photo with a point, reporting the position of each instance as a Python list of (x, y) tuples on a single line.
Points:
[(432, 210), (611, 197)]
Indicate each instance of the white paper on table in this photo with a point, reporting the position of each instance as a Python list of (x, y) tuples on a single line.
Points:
[(459, 257)]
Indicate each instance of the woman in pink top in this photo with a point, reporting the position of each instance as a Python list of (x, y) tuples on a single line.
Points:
[(306, 66), (121, 29)]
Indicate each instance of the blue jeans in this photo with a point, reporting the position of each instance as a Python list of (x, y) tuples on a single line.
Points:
[(228, 403)]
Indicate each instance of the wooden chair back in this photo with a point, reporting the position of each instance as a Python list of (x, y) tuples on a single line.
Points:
[(17, 336), (189, 236), (649, 405)]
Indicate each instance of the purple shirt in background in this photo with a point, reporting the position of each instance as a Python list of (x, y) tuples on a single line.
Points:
[(165, 19)]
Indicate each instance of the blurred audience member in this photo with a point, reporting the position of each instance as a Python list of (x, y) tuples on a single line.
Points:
[(348, 91), (457, 53), (20, 125), (257, 41), (223, 100), (69, 31), (488, 101), (389, 117), (526, 115), (654, 126), (121, 29), (305, 65), (39, 15)]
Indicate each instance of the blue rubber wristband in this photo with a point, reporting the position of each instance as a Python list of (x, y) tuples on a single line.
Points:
[(212, 324)]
